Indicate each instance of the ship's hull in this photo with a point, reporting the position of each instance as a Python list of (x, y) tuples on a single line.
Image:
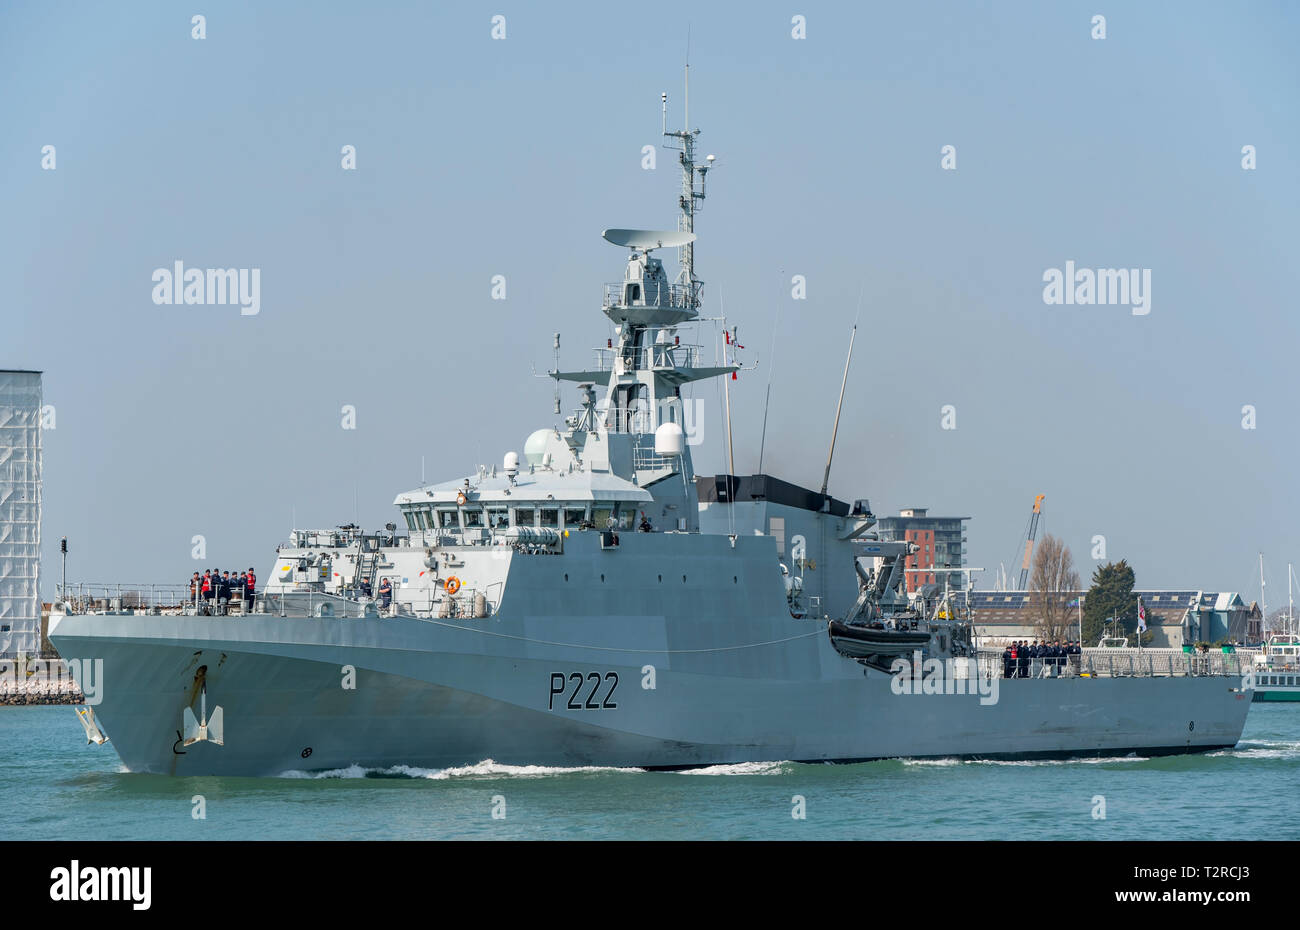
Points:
[(331, 693)]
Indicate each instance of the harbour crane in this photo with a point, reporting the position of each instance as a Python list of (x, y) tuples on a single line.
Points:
[(1029, 541)]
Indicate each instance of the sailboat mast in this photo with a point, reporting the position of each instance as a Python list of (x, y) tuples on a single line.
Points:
[(1263, 604)]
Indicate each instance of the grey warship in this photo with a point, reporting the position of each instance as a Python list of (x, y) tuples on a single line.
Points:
[(594, 602)]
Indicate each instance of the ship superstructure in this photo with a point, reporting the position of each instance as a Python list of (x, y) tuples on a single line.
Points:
[(593, 601)]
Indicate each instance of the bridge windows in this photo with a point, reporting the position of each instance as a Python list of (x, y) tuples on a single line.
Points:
[(524, 516), (418, 518), (473, 517), (623, 516), (448, 519), (573, 516), (550, 517)]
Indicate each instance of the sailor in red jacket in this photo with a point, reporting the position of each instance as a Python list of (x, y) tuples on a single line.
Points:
[(250, 589)]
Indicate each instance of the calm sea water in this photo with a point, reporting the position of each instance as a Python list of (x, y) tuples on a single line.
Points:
[(53, 786)]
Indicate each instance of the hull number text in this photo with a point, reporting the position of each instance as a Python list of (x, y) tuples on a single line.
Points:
[(581, 691)]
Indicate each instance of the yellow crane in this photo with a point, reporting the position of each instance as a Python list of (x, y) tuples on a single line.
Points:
[(1029, 541)]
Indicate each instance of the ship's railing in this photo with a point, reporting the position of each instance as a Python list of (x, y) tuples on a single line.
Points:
[(320, 605), (85, 597), (1111, 663), (461, 607), (644, 456), (1172, 663), (661, 355), (315, 604), (668, 296), (634, 419)]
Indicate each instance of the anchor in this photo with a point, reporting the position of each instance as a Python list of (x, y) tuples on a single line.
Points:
[(206, 728), (88, 723)]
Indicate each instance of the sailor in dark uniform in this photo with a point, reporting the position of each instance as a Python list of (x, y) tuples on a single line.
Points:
[(223, 592)]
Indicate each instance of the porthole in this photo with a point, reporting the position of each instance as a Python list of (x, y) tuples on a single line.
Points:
[(683, 579), (661, 578), (566, 576), (602, 578), (735, 579)]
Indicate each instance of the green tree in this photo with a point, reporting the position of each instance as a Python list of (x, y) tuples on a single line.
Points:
[(1111, 595)]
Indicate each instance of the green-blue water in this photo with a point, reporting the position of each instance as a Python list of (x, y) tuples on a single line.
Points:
[(53, 786)]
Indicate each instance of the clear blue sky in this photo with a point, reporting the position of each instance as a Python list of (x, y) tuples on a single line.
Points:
[(479, 157)]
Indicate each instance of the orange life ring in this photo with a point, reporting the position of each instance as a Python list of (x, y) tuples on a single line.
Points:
[(461, 498), (453, 584)]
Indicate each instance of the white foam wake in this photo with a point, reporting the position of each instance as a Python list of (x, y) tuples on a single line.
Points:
[(486, 768), (739, 768), (937, 762), (1089, 760), (1262, 749)]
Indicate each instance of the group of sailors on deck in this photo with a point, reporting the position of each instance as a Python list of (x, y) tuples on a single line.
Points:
[(213, 591), (1021, 658)]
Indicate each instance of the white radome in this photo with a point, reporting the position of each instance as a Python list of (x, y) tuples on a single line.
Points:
[(668, 439), (535, 446)]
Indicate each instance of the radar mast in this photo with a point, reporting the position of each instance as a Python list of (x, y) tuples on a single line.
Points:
[(683, 142)]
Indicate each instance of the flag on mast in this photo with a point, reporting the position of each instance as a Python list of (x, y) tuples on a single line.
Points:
[(1142, 617)]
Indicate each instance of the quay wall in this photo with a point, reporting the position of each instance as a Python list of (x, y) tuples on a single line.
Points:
[(38, 681)]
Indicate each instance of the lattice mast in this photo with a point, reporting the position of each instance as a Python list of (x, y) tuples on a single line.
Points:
[(683, 142)]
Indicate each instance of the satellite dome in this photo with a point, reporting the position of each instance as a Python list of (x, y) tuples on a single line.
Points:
[(535, 446), (668, 439)]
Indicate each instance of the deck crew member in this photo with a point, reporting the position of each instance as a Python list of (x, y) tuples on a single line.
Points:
[(223, 593), (385, 593), (1022, 660), (1006, 661), (250, 588), (195, 582)]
